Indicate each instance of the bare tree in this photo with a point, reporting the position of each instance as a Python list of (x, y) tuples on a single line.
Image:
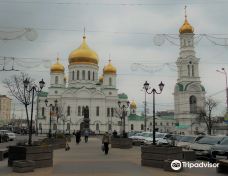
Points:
[(205, 115), (16, 87)]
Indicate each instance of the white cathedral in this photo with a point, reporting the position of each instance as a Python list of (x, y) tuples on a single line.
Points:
[(82, 89)]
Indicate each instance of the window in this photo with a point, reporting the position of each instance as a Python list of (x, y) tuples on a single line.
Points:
[(54, 127), (193, 104), (78, 73), (83, 74), (40, 126), (110, 81), (167, 124), (83, 108), (79, 110), (68, 110), (160, 123), (97, 127), (43, 111), (193, 71), (112, 112), (97, 110), (188, 70), (150, 123), (68, 126), (132, 127), (72, 75), (88, 75), (93, 76), (56, 79), (156, 124), (108, 112), (142, 126)]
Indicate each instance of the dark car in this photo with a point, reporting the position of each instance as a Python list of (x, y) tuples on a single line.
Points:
[(220, 149)]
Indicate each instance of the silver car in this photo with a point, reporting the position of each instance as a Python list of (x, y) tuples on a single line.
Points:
[(220, 150)]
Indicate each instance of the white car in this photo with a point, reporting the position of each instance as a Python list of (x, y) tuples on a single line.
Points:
[(186, 141), (140, 136), (10, 135), (160, 138)]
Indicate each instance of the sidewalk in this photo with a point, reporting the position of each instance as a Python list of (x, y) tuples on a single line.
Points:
[(87, 159)]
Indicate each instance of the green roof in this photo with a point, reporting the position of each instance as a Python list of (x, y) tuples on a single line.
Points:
[(135, 117), (42, 94), (182, 126), (167, 117), (122, 96), (180, 86)]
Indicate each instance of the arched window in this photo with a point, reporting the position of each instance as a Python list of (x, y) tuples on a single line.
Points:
[(108, 112), (54, 126), (78, 74), (112, 112), (56, 80), (68, 110), (93, 76), (132, 127), (68, 126), (43, 111), (188, 70), (72, 75), (193, 73), (97, 127), (83, 74), (40, 126), (150, 123), (88, 75), (110, 81), (160, 123), (142, 127), (193, 104), (97, 110), (79, 110)]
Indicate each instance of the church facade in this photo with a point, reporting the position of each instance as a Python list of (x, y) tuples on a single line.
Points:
[(83, 89)]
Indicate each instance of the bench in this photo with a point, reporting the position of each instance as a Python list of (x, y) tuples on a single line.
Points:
[(223, 166), (3, 153), (22, 166)]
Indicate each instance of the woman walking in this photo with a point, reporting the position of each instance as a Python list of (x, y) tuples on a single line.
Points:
[(78, 136), (106, 141)]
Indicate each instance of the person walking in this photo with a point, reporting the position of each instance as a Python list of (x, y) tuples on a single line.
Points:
[(86, 135), (105, 142), (78, 137)]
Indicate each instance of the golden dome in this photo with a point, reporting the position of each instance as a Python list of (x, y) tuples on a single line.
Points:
[(133, 105), (57, 67), (101, 78), (109, 69), (83, 55), (186, 27)]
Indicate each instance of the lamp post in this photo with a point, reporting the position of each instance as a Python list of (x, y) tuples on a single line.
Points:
[(223, 71), (123, 107), (145, 120), (153, 91), (52, 108), (32, 89)]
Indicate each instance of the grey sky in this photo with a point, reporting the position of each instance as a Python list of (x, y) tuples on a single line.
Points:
[(124, 29)]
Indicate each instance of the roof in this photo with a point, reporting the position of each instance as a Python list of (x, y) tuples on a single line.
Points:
[(42, 94), (182, 126), (135, 117), (122, 96)]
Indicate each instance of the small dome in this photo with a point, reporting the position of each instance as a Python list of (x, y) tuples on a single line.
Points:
[(186, 27), (133, 105), (109, 69), (83, 55), (101, 78), (57, 67)]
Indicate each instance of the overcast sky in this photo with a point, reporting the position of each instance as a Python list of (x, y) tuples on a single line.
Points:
[(125, 29)]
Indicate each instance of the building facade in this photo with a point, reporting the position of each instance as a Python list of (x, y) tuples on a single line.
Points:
[(189, 93), (5, 109), (83, 89)]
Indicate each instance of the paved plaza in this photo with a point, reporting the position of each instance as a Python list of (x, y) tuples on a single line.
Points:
[(87, 159)]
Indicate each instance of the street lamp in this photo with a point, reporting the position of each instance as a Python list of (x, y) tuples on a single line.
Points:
[(147, 88), (52, 108), (123, 107), (223, 71), (34, 88)]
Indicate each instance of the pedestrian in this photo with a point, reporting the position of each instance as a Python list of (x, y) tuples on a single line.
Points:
[(105, 142), (114, 133), (78, 137), (86, 135)]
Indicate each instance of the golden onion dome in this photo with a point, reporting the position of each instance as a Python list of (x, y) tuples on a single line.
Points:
[(57, 67), (83, 55), (109, 69), (101, 78), (133, 105), (186, 27)]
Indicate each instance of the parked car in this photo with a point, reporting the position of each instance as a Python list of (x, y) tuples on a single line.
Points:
[(140, 137), (220, 149), (186, 141), (203, 146), (10, 135), (160, 138)]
